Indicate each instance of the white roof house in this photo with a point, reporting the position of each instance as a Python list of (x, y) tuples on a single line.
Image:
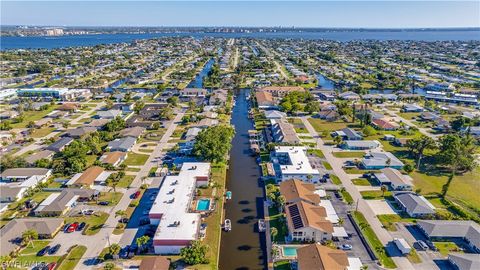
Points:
[(177, 226), (291, 162)]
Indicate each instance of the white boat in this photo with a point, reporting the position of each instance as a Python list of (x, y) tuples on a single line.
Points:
[(227, 226), (261, 225)]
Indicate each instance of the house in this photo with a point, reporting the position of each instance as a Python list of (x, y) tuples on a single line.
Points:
[(110, 114), (94, 175), (178, 226), (15, 182), (124, 144), (281, 91), (218, 97), (59, 203), (428, 116), (57, 93), (347, 134), (11, 233), (385, 124), (283, 132), (442, 125), (308, 222), (69, 107), (44, 154), (60, 144), (42, 122), (447, 230), (295, 191), (402, 142), (207, 122), (212, 115), (414, 205), (464, 261), (191, 134), (349, 96), (326, 95), (98, 123), (265, 100), (274, 114), (291, 162), (412, 108), (134, 132), (475, 132), (319, 257), (329, 115), (79, 132), (154, 263), (113, 158), (394, 178), (193, 92), (124, 107), (360, 145), (380, 160)]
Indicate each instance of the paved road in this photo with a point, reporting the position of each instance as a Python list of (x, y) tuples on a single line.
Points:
[(87, 114), (382, 234), (96, 243)]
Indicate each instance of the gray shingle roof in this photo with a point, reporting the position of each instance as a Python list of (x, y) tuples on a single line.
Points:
[(414, 204)]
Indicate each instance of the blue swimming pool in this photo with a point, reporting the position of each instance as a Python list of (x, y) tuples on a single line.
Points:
[(203, 205), (290, 251)]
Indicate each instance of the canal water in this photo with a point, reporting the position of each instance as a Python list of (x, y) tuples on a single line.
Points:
[(243, 248), (325, 83), (198, 81)]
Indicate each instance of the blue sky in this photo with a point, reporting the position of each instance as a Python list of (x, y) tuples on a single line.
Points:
[(368, 14)]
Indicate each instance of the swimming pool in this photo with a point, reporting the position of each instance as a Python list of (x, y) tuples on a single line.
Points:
[(290, 251), (203, 205)]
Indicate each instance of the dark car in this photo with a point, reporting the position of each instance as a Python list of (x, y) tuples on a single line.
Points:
[(124, 252), (43, 251), (65, 228), (81, 226), (103, 203), (54, 249), (337, 194), (124, 220), (431, 245), (136, 194), (40, 266)]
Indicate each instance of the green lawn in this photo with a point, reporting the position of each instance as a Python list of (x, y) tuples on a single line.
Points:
[(327, 165), (316, 152), (388, 221), (359, 171), (112, 197), (335, 179), (282, 265), (409, 116), (347, 197), (375, 194), (135, 159), (29, 254), (72, 258), (94, 222), (298, 125), (361, 182), (277, 220), (321, 125), (413, 257), (41, 132), (33, 116), (446, 247), (373, 240), (349, 154), (125, 181)]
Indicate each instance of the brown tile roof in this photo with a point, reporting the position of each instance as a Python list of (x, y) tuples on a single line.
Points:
[(112, 157), (316, 256), (295, 190), (89, 175), (283, 88), (154, 263), (312, 216), (263, 97), (68, 106)]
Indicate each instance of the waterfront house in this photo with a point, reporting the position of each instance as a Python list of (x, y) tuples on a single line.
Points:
[(307, 222), (274, 114), (291, 162), (414, 205), (265, 100), (349, 96), (320, 257), (281, 91), (193, 92), (295, 191), (283, 132)]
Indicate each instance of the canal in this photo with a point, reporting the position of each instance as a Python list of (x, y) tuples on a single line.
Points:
[(197, 82), (243, 248)]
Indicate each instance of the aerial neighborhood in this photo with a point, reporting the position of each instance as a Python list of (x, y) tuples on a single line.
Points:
[(208, 153)]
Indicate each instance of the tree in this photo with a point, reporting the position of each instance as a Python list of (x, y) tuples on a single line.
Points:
[(115, 125), (273, 232), (138, 106), (28, 236), (417, 147), (368, 131), (195, 253), (109, 266), (173, 101), (457, 153), (114, 249), (8, 161), (213, 143), (141, 241), (384, 189), (121, 213), (108, 104), (337, 140), (311, 107)]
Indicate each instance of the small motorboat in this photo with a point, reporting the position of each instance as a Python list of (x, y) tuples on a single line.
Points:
[(228, 195), (262, 227), (227, 226)]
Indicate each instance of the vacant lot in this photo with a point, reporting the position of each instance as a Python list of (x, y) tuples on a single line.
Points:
[(348, 154), (135, 159)]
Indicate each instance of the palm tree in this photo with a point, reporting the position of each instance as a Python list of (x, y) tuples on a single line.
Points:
[(337, 140), (29, 235), (383, 188), (121, 213), (114, 249), (141, 241), (273, 233)]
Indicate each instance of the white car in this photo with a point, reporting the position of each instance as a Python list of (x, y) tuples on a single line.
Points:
[(346, 247), (88, 212)]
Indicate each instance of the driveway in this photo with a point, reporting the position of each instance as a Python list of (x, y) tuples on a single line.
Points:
[(380, 207)]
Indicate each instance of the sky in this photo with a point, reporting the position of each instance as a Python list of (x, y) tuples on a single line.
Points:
[(348, 14)]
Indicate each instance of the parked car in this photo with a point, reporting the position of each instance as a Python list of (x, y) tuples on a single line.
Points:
[(431, 245), (51, 265), (337, 194), (43, 251), (40, 266), (136, 194), (81, 226), (422, 245), (103, 203), (72, 227), (88, 212), (123, 220), (54, 249), (65, 228), (124, 252), (346, 247)]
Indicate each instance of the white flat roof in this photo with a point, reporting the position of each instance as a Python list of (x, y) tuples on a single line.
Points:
[(299, 160), (173, 201), (331, 213)]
